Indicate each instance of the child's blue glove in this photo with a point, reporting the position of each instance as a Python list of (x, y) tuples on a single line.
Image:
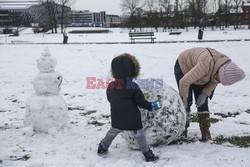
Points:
[(156, 105)]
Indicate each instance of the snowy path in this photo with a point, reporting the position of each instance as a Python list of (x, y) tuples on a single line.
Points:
[(76, 145)]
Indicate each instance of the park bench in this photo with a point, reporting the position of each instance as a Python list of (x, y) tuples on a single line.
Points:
[(175, 33), (141, 35)]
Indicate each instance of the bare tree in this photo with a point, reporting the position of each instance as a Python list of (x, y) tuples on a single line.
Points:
[(27, 19), (165, 8), (64, 13), (199, 12), (52, 11), (226, 6), (182, 13), (237, 5), (17, 19), (47, 6), (205, 2), (152, 5), (130, 7), (196, 8), (152, 13), (192, 9)]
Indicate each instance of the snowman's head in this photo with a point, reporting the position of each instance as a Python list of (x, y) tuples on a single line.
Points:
[(48, 83), (46, 63)]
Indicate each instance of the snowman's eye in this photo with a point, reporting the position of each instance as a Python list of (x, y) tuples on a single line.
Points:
[(58, 78)]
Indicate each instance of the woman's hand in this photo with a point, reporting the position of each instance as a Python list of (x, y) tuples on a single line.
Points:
[(201, 100)]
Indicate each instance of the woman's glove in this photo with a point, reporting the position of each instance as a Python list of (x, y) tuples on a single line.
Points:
[(201, 100), (185, 104), (156, 105)]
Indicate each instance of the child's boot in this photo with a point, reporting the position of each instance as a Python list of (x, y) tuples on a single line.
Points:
[(149, 156), (101, 150)]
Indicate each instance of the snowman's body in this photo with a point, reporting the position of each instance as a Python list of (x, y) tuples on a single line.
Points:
[(46, 110), (164, 125)]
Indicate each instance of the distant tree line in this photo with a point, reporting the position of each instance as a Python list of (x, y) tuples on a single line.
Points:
[(180, 13), (137, 14)]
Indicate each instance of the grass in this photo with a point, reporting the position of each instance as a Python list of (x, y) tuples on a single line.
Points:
[(248, 111), (96, 123), (240, 141), (183, 140), (4, 111), (76, 108), (194, 118), (88, 113), (106, 116), (23, 158), (5, 127), (223, 115)]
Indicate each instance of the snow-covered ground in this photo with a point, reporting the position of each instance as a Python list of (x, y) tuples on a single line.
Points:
[(121, 35), (77, 144)]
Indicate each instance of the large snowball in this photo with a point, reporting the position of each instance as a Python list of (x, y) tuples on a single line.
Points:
[(47, 83), (162, 126), (46, 112), (46, 63)]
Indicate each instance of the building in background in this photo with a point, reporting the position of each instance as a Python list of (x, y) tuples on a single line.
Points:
[(36, 13), (81, 18), (87, 18), (113, 20), (18, 4), (4, 18), (99, 19), (6, 6), (16, 13), (246, 13)]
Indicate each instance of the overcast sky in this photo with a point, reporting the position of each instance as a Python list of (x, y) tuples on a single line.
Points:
[(110, 6)]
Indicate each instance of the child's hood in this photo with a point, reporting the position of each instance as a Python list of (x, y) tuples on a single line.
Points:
[(124, 66)]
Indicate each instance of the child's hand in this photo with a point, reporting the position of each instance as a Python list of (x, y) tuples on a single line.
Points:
[(156, 105)]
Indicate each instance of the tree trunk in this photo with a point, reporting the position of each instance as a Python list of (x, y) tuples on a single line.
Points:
[(55, 16), (47, 5), (62, 18)]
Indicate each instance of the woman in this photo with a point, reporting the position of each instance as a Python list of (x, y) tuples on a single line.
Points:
[(199, 70)]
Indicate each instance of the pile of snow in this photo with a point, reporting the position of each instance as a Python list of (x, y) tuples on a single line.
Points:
[(77, 144), (164, 125)]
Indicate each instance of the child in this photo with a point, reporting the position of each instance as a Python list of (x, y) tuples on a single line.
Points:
[(125, 96)]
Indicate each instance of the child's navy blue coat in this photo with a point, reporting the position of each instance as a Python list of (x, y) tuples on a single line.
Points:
[(124, 102)]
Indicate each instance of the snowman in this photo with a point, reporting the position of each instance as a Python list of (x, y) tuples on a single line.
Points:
[(166, 124), (46, 109)]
